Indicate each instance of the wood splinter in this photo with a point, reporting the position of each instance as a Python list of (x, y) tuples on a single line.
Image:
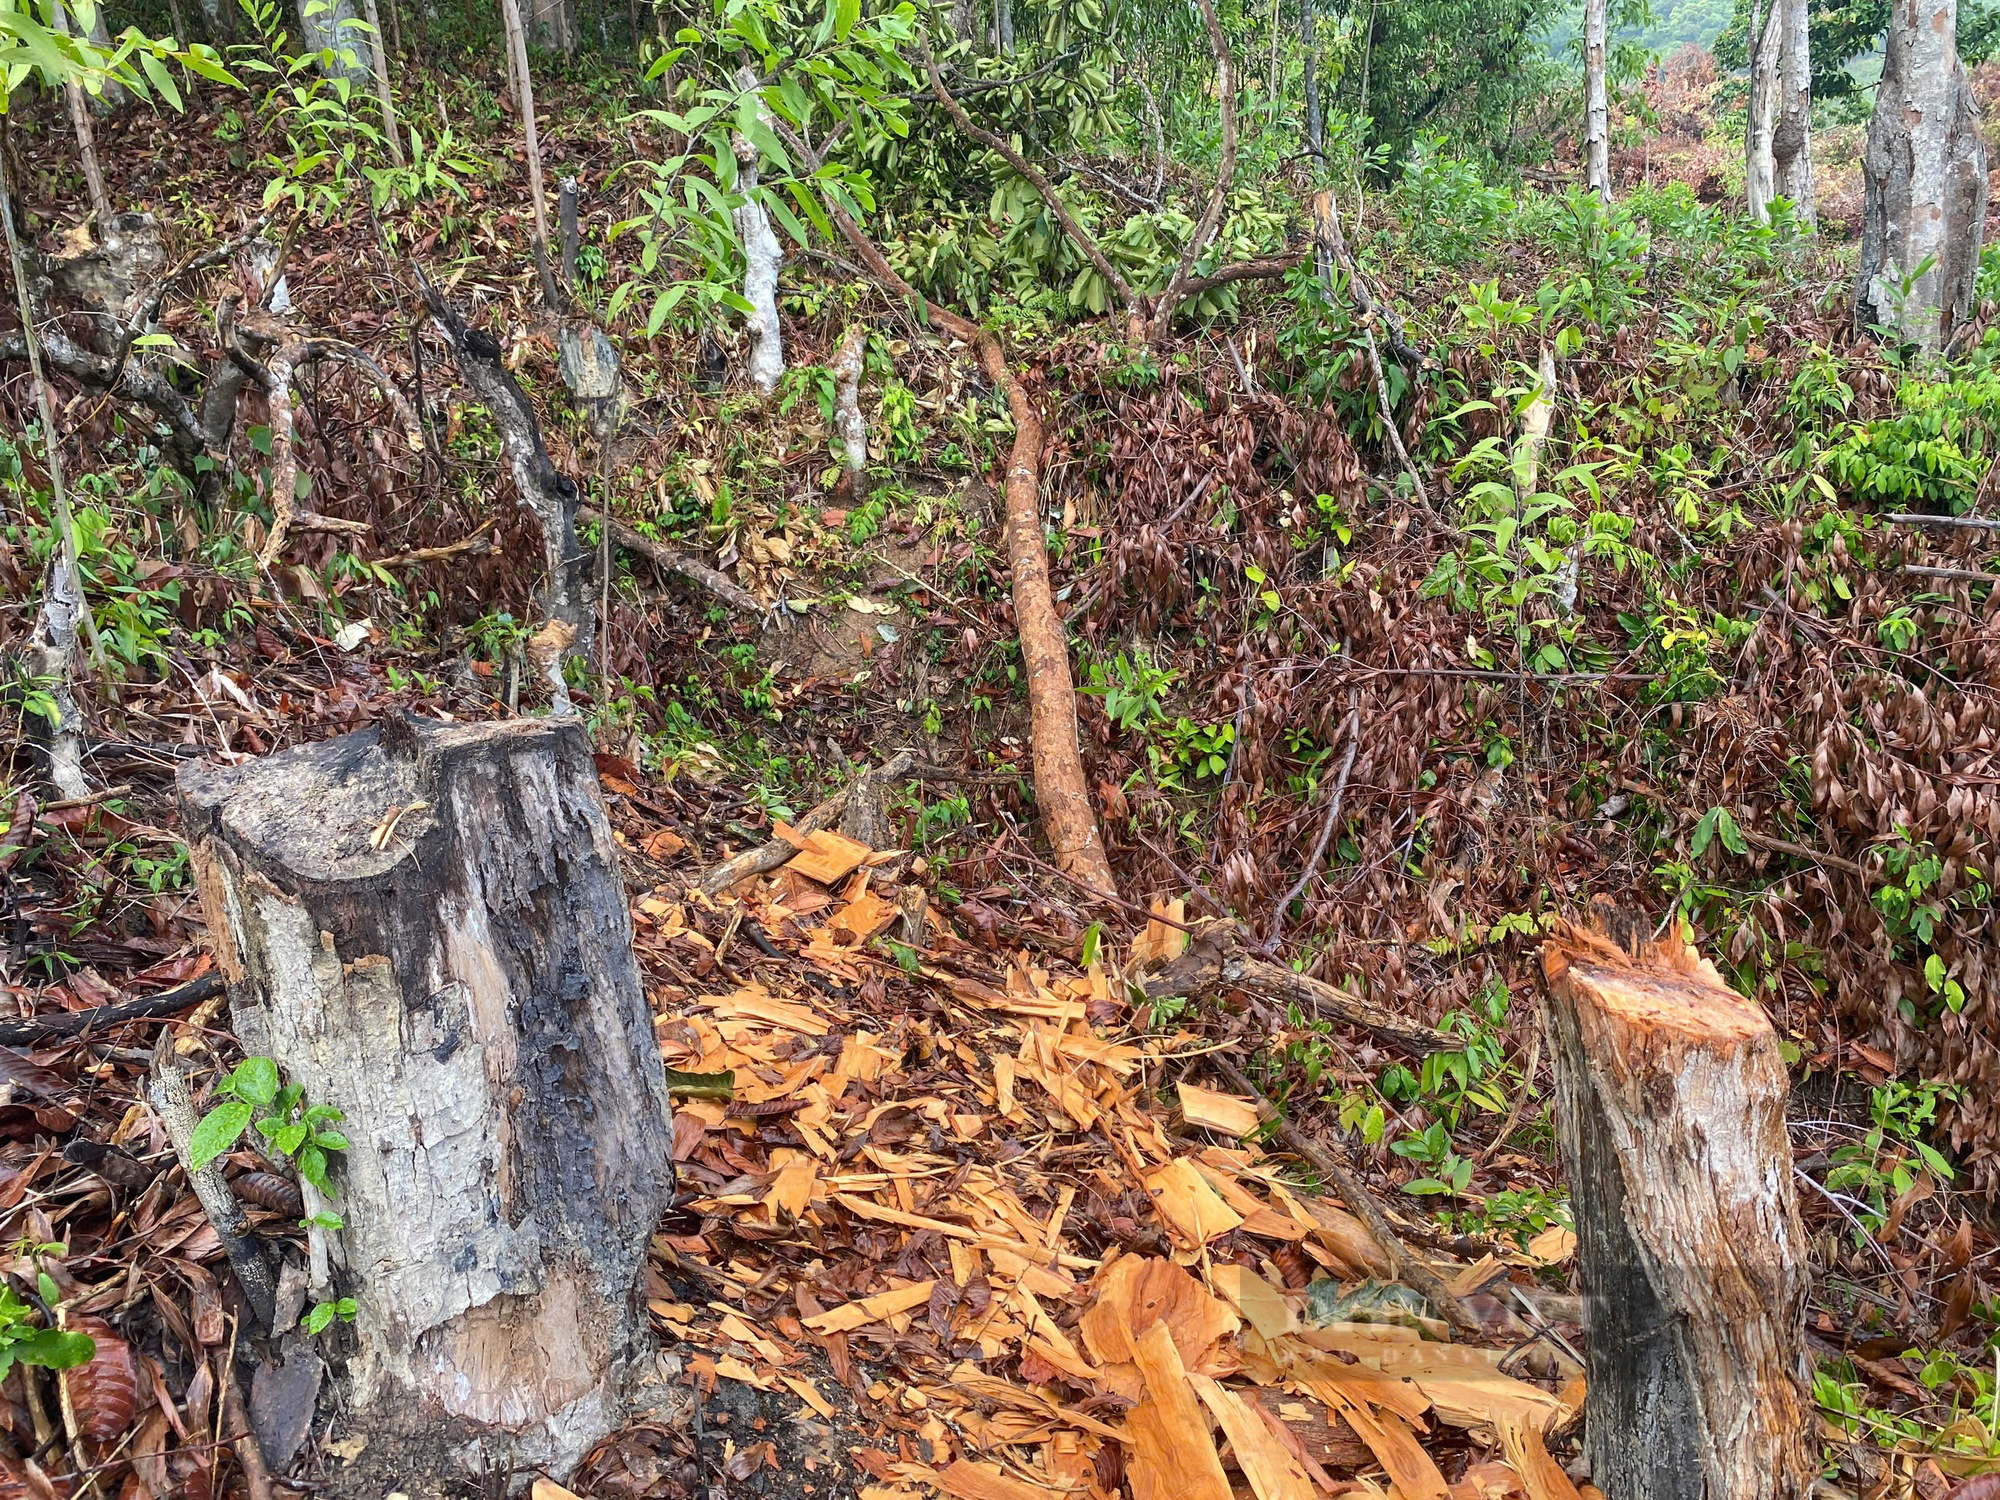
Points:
[(1670, 1095)]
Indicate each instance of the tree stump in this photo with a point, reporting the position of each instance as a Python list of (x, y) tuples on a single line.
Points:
[(1670, 1107), (425, 925)]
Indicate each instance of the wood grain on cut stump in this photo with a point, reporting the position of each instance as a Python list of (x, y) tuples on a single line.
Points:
[(427, 928), (1670, 1099)]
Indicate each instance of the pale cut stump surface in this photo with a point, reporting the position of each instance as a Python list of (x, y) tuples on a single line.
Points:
[(467, 994)]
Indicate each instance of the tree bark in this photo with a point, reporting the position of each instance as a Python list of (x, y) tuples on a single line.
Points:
[(762, 256), (334, 26), (1924, 184), (425, 925), (1596, 102), (1760, 168), (1670, 1109), (1791, 144), (1061, 792), (86, 134), (524, 85), (846, 371)]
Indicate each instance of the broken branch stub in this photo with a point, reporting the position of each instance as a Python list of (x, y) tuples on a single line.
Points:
[(1670, 1108), (425, 925)]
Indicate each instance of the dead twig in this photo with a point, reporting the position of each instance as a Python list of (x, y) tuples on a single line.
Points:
[(174, 1104), (1333, 806)]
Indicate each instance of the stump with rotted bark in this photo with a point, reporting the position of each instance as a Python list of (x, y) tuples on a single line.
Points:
[(426, 927), (1670, 1108)]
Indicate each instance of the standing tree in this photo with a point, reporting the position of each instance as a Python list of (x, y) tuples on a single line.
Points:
[(1596, 101), (1778, 142), (1924, 204)]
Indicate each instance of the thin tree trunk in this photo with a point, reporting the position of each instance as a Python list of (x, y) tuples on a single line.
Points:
[(1271, 84), (396, 29), (1003, 27), (1924, 176), (86, 134), (384, 95), (846, 372), (1791, 143), (762, 257), (1225, 174), (1368, 57), (1062, 796), (1760, 168), (524, 84), (330, 26), (1596, 101), (52, 645)]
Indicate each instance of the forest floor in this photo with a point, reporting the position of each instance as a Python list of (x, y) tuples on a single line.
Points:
[(959, 1150)]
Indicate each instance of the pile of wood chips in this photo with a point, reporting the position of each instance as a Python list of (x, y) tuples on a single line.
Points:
[(946, 1181)]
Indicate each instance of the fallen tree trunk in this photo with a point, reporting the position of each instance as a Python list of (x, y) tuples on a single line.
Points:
[(426, 927), (1670, 1107), (1061, 793)]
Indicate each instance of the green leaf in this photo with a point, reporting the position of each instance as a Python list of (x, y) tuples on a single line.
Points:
[(217, 1132), (845, 14), (329, 1140), (255, 1080), (318, 1318), (54, 1349), (46, 1285), (312, 1167)]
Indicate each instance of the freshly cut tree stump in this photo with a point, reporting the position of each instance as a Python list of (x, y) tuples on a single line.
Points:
[(1670, 1100), (426, 927)]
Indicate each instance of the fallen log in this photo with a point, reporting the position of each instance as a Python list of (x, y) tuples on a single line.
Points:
[(1217, 959), (675, 563), (425, 925), (1670, 1109)]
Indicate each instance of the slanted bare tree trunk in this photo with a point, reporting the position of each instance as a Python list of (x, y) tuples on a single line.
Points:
[(524, 87), (1670, 1109), (1596, 102), (426, 926), (762, 257), (1924, 184), (52, 644), (86, 134)]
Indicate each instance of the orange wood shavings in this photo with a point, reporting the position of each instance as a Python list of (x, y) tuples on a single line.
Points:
[(970, 1481), (827, 856), (1273, 1472), (1173, 1455), (1209, 1110), (1189, 1204), (851, 1315)]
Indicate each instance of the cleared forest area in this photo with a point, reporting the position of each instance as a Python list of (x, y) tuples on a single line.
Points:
[(1043, 749)]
